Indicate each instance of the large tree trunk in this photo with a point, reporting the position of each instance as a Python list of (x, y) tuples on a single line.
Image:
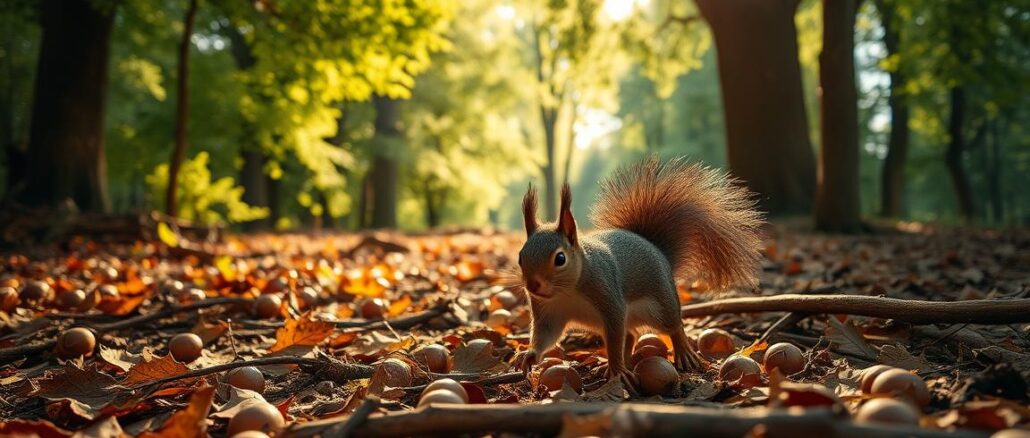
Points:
[(955, 152), (181, 111), (384, 164), (65, 157), (893, 176), (837, 204), (766, 128)]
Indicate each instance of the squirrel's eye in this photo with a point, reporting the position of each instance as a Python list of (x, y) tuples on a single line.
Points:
[(559, 259)]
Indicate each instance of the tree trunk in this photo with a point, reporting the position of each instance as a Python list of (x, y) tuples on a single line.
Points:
[(956, 150), (65, 157), (181, 111), (893, 175), (837, 204), (767, 137), (994, 173), (384, 165), (549, 119)]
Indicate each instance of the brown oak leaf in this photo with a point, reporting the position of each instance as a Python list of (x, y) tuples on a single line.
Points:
[(87, 389)]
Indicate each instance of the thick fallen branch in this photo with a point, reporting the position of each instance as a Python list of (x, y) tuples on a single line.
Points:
[(911, 311), (626, 420)]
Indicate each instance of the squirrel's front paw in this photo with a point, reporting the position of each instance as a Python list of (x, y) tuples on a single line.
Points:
[(629, 380), (525, 360)]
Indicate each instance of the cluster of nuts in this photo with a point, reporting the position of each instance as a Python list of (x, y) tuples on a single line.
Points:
[(909, 394)]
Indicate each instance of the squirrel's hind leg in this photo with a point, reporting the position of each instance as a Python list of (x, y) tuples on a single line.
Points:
[(669, 321)]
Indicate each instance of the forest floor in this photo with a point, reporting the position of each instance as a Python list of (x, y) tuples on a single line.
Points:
[(347, 303)]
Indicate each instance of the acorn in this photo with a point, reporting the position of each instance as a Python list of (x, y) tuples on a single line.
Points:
[(548, 362), (247, 378), (435, 357), (8, 298), (868, 375), (194, 294), (553, 378), (398, 372), (1012, 433), (374, 308), (35, 291), (260, 416), (309, 296), (109, 291), (653, 340), (250, 434), (185, 347), (441, 396), (76, 342), (902, 382), (498, 318), (742, 371), (885, 410), (644, 352), (656, 375), (715, 344), (784, 356), (267, 306), (449, 385), (503, 300), (71, 300)]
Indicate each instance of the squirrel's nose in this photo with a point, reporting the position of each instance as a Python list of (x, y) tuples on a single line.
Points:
[(533, 285)]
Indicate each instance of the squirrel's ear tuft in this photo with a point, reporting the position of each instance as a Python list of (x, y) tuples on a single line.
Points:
[(566, 223), (529, 210)]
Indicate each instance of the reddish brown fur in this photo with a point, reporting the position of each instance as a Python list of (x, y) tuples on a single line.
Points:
[(703, 222), (529, 211)]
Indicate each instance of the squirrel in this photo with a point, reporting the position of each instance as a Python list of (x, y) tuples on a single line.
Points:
[(656, 221)]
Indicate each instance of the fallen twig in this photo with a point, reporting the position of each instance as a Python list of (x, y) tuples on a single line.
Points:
[(911, 311), (628, 419), (8, 355), (325, 367), (357, 418), (478, 379)]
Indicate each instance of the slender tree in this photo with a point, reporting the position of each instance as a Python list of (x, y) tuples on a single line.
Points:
[(767, 136), (181, 110), (65, 156), (837, 204), (893, 174)]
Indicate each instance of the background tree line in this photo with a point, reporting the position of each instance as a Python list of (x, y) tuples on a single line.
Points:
[(416, 113)]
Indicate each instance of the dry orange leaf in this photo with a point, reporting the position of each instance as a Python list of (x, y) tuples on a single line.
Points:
[(399, 306), (123, 306), (305, 331), (757, 346), (152, 370), (189, 422)]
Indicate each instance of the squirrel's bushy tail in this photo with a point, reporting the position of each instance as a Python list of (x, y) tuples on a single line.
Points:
[(704, 222)]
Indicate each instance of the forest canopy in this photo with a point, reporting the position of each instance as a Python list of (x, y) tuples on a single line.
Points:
[(424, 113)]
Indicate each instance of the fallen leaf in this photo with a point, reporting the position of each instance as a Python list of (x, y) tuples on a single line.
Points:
[(119, 357), (847, 339), (32, 428), (153, 369), (190, 422), (897, 355), (87, 389), (305, 331), (475, 358)]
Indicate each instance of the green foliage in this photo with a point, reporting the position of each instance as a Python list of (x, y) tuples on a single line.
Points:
[(202, 199)]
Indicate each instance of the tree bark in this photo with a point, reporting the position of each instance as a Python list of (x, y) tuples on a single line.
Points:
[(892, 197), (384, 165), (65, 157), (837, 204), (954, 154), (767, 136), (181, 111)]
